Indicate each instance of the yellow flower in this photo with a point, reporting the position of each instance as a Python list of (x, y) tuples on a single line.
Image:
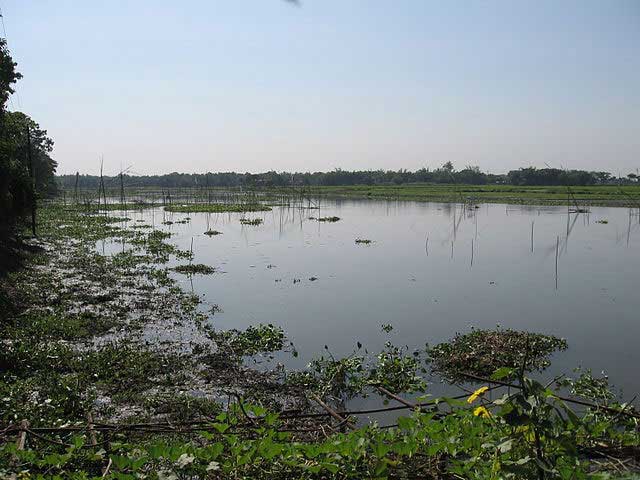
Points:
[(474, 396), (481, 412)]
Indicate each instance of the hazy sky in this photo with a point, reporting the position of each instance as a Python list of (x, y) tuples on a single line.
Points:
[(257, 85)]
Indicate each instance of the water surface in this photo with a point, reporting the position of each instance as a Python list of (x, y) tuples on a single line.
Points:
[(432, 270)]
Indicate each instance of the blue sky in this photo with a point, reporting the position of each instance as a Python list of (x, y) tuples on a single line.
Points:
[(255, 85)]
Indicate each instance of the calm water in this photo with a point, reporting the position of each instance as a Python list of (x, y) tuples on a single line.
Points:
[(421, 276)]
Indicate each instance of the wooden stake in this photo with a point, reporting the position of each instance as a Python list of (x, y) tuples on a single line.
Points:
[(22, 436), (92, 432), (76, 187), (557, 250), (472, 252), (21, 440), (332, 412), (398, 399), (32, 174), (532, 223)]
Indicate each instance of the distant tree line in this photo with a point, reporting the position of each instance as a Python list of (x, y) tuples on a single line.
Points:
[(445, 174), (26, 167)]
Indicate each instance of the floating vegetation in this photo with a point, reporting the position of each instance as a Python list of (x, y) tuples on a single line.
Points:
[(255, 221), (122, 206), (363, 241), (313, 279), (393, 368), (194, 268), (482, 352), (212, 233), (603, 221), (255, 339), (167, 222), (329, 219), (218, 208)]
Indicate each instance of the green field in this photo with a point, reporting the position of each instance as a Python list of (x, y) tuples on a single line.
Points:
[(628, 196)]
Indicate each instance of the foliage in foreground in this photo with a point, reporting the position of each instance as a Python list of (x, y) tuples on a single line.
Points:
[(529, 433)]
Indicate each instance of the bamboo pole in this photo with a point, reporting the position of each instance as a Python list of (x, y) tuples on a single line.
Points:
[(332, 412), (32, 174), (92, 432), (398, 399), (557, 250)]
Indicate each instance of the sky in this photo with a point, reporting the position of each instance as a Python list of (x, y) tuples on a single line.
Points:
[(256, 85)]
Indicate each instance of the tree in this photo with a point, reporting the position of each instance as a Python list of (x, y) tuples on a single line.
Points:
[(448, 167), (8, 74), (17, 132)]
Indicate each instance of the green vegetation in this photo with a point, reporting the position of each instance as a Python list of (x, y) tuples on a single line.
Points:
[(255, 221), (329, 219), (627, 195), (363, 241), (218, 208), (482, 352), (253, 340), (170, 397), (212, 233), (528, 433), (194, 268), (26, 169), (445, 174)]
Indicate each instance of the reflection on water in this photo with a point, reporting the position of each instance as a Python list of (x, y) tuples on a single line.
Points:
[(432, 270)]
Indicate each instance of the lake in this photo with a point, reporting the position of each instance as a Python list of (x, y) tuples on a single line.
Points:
[(432, 269)]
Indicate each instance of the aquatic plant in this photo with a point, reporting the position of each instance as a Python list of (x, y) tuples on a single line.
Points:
[(481, 352), (329, 219), (255, 221), (218, 208), (212, 233), (194, 268), (261, 338), (363, 241)]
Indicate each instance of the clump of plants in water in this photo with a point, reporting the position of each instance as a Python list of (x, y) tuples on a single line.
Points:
[(363, 241), (255, 221), (603, 222), (262, 338), (329, 219), (194, 268), (341, 379), (482, 352), (212, 233), (218, 208)]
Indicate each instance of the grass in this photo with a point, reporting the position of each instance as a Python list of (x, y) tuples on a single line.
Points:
[(546, 195), (218, 208)]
